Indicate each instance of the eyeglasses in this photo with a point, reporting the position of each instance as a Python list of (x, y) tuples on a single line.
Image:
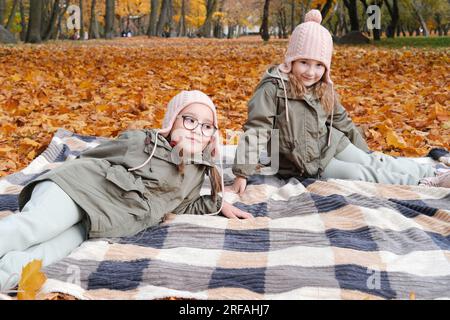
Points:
[(191, 123)]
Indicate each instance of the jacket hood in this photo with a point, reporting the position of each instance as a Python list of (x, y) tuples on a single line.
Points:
[(272, 72)]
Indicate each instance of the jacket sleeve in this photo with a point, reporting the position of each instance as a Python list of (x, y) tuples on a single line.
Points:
[(114, 150), (197, 204), (343, 122), (261, 114)]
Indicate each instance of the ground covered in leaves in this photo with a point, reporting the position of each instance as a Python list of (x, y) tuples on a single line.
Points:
[(399, 96)]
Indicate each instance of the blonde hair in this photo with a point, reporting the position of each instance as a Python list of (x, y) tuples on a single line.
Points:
[(322, 90)]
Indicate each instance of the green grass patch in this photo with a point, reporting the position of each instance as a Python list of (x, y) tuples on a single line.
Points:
[(431, 42)]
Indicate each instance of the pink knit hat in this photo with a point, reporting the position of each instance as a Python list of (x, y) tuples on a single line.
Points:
[(181, 101), (310, 40)]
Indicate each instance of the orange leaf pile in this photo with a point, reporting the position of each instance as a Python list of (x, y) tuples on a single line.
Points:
[(400, 97)]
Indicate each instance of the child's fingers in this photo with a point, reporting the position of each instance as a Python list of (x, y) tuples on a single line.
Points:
[(229, 214), (243, 214), (248, 215), (232, 216), (241, 189)]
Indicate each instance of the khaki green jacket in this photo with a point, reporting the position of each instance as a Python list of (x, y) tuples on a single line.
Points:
[(303, 141), (122, 203)]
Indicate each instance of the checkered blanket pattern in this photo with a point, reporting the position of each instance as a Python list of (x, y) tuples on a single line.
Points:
[(311, 239)]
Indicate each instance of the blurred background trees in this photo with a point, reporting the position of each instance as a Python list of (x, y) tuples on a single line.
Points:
[(35, 21)]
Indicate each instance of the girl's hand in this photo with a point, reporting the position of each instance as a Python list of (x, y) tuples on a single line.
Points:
[(231, 212), (239, 185)]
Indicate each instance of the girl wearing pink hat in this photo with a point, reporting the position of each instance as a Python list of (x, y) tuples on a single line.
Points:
[(316, 137), (119, 188)]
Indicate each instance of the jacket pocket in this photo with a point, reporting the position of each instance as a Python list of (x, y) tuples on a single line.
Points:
[(129, 189)]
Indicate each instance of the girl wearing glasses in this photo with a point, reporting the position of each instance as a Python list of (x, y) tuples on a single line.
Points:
[(119, 188)]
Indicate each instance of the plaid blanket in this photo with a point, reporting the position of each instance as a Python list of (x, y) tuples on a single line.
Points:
[(312, 239)]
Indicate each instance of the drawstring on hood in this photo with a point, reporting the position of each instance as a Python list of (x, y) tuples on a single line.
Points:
[(285, 96), (331, 126), (150, 156)]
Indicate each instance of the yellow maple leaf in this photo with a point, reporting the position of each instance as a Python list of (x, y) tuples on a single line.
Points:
[(30, 142), (31, 280), (395, 140), (31, 155), (16, 77)]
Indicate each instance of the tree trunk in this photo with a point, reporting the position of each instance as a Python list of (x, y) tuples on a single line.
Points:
[(304, 9), (327, 21), (12, 15), (264, 31), (182, 22), (34, 23), (334, 28), (342, 24), (52, 22), (218, 30), (171, 32), (363, 17), (61, 14), (23, 25), (93, 23), (326, 8), (353, 14), (205, 29), (394, 13), (230, 34), (364, 2), (81, 20), (283, 22), (109, 19), (403, 31), (218, 23), (45, 16), (421, 19), (162, 18), (438, 19), (2, 11), (151, 31)]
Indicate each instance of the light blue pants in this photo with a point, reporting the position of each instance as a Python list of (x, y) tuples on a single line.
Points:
[(48, 228), (354, 164)]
